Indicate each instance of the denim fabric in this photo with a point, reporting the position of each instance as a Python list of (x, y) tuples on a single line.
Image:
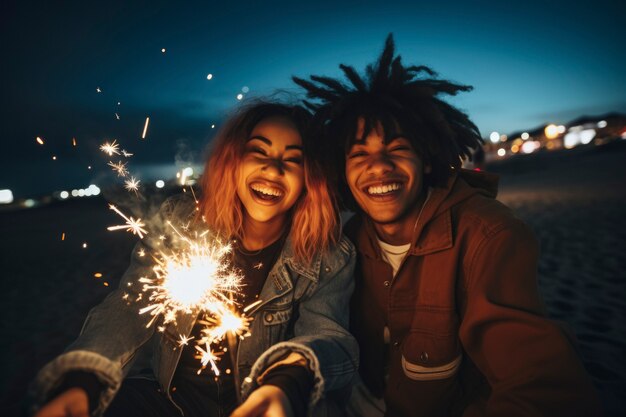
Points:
[(304, 309)]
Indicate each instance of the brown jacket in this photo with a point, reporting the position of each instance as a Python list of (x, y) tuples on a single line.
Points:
[(468, 334)]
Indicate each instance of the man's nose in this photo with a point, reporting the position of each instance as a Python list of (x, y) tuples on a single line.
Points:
[(380, 163)]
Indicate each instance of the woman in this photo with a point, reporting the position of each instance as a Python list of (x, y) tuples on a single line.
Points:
[(262, 189)]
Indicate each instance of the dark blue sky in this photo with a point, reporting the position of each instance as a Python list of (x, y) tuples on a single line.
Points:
[(529, 63)]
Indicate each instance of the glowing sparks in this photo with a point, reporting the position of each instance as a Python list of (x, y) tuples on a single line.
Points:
[(184, 340), (141, 253), (98, 90), (117, 116), (145, 128), (197, 278), (208, 357), (132, 225), (225, 321), (63, 236), (111, 148), (119, 167), (39, 140), (132, 184), (126, 154)]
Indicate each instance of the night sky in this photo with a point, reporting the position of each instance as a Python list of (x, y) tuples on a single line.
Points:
[(529, 64)]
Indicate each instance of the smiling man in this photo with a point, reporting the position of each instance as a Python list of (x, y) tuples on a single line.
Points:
[(446, 308)]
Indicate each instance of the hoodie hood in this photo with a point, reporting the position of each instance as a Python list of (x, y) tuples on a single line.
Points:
[(461, 186)]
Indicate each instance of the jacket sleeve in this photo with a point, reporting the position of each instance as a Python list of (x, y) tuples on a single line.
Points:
[(530, 364), (112, 333), (320, 333)]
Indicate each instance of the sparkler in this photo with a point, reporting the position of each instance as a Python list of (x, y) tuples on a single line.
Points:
[(110, 148), (132, 225), (119, 167), (195, 279)]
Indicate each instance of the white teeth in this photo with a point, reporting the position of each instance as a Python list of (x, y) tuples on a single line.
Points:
[(384, 189), (267, 190)]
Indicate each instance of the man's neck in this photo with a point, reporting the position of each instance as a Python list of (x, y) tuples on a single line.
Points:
[(401, 231), (258, 235)]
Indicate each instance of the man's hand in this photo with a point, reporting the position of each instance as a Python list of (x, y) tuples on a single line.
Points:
[(266, 401), (71, 403)]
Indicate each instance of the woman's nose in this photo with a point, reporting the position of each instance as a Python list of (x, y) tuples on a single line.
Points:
[(273, 167)]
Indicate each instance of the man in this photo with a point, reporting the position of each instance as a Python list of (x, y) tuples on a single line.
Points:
[(446, 308)]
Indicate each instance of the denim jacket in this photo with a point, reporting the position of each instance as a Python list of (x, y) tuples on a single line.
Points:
[(304, 309)]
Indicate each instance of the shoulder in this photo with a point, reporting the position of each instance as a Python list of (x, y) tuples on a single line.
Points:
[(483, 217), (338, 256), (178, 207)]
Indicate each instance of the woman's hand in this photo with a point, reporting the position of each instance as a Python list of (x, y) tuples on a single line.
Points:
[(71, 403), (265, 401)]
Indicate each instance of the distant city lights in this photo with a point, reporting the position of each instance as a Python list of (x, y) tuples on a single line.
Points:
[(6, 196), (530, 147), (494, 137), (578, 136), (64, 195), (525, 135), (551, 131), (160, 184), (245, 89), (602, 124), (501, 152), (209, 76), (239, 96)]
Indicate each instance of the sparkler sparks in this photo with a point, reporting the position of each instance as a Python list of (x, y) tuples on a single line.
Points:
[(208, 357), (184, 340), (39, 140), (126, 154), (197, 278), (145, 128), (132, 225), (132, 184), (119, 167), (110, 148)]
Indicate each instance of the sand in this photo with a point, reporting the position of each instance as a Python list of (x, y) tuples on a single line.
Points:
[(575, 201)]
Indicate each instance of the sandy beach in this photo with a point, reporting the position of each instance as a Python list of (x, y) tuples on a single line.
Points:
[(575, 201)]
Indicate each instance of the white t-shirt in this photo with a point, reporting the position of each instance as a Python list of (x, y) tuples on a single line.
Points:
[(393, 255)]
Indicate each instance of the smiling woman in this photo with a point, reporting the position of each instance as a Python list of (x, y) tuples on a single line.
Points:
[(264, 192)]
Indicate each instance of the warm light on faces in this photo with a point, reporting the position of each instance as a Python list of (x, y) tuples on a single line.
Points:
[(271, 173), (386, 179)]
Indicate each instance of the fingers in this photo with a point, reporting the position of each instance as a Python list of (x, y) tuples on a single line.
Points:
[(71, 403)]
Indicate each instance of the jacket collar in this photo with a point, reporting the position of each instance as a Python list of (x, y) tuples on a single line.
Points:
[(279, 281)]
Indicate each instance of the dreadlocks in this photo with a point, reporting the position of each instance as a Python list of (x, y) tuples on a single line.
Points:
[(403, 100)]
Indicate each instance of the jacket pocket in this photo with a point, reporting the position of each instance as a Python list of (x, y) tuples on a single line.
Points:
[(276, 323), (431, 357)]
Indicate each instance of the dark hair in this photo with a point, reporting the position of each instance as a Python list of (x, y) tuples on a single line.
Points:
[(403, 100), (314, 219)]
